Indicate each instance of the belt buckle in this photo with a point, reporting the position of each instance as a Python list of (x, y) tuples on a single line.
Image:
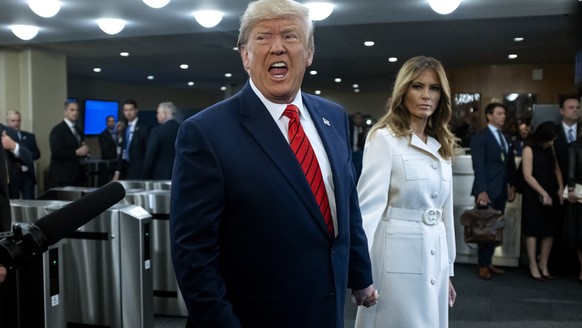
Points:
[(431, 216)]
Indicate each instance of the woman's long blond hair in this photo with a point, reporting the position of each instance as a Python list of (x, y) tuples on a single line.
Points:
[(398, 119)]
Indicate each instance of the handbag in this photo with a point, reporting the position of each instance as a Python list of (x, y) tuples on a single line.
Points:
[(577, 191), (483, 225)]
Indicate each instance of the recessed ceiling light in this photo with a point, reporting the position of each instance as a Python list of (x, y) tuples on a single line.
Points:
[(184, 66), (228, 74), (314, 72), (97, 70), (518, 39), (111, 25), (317, 92), (208, 18), (234, 48), (150, 77), (369, 43), (223, 88), (25, 32), (512, 56), (190, 83), (124, 54), (355, 85), (392, 59), (357, 90), (337, 80)]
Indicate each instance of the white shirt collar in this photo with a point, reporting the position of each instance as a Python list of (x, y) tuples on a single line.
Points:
[(276, 110), (567, 127), (69, 123)]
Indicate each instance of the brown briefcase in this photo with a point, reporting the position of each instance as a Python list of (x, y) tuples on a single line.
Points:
[(483, 225)]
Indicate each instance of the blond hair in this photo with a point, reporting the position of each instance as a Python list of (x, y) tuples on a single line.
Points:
[(271, 9)]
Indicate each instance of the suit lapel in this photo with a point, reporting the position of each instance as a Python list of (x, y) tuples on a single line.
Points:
[(259, 123)]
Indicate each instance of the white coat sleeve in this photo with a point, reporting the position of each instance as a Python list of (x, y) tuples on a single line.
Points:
[(449, 221), (374, 182)]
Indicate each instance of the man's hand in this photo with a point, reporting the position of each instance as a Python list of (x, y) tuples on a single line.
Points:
[(7, 142), (82, 151), (510, 194), (366, 297), (482, 199)]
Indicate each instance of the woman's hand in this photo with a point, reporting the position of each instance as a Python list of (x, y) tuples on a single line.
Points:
[(546, 199), (452, 293)]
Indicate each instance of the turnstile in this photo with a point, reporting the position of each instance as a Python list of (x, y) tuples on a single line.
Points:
[(65, 193), (107, 268), (39, 284), (136, 185), (508, 253), (167, 297)]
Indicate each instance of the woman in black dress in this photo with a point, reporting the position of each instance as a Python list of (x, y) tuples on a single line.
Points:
[(573, 224), (541, 198)]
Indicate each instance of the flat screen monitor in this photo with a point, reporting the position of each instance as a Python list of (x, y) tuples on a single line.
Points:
[(95, 113)]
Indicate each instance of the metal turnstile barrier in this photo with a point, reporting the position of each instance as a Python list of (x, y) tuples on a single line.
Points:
[(508, 253), (65, 193), (167, 297), (40, 288), (106, 266), (140, 185)]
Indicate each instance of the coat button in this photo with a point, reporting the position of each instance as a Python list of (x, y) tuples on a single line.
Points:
[(434, 195), (433, 281), (435, 165), (432, 251)]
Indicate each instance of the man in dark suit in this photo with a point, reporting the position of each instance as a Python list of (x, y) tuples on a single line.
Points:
[(108, 139), (561, 258), (68, 150), (24, 179), (495, 176), (134, 145), (566, 131), (160, 153), (251, 246)]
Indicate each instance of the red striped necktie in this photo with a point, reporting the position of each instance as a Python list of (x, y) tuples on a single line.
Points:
[(306, 156)]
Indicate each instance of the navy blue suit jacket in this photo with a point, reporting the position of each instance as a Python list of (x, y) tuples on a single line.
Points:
[(249, 244), (561, 147), (29, 141), (159, 159), (137, 150), (492, 174), (25, 156)]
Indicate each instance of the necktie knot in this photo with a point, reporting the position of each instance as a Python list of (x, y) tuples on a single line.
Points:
[(292, 112)]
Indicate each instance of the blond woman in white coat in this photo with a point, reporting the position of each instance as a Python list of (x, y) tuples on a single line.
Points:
[(405, 193)]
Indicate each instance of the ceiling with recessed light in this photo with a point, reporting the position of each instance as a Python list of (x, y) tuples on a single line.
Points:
[(158, 41)]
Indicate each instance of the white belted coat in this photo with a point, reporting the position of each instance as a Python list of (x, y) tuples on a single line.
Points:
[(411, 260)]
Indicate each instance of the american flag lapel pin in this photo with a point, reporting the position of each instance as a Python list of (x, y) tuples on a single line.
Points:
[(325, 121)]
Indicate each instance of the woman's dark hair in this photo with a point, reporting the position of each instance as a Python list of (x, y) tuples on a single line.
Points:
[(544, 132)]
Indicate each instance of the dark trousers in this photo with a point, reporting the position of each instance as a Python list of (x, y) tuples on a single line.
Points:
[(22, 183), (485, 250)]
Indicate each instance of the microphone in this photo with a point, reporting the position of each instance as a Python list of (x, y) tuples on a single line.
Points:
[(32, 239), (66, 220)]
